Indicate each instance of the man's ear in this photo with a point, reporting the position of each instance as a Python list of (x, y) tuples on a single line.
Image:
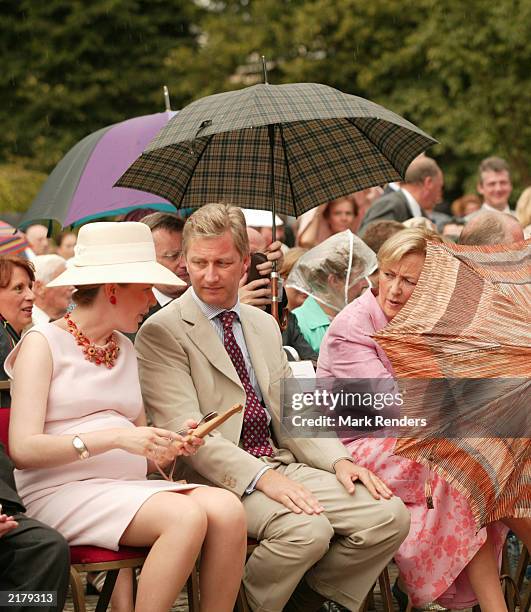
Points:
[(38, 288), (246, 263), (479, 188)]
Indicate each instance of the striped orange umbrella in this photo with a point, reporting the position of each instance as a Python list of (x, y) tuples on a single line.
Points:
[(470, 318), (12, 241)]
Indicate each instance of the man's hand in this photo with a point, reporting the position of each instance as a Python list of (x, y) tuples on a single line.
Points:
[(347, 473), (273, 253), (256, 293), (7, 524), (291, 494)]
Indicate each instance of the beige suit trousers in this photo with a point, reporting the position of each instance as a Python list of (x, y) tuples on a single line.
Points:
[(341, 568)]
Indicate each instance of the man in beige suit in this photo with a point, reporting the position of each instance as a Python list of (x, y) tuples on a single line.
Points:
[(320, 535)]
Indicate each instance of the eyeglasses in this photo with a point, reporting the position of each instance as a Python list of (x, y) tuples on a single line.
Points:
[(172, 255), (181, 432)]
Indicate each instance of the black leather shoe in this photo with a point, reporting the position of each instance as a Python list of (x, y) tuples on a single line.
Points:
[(401, 598)]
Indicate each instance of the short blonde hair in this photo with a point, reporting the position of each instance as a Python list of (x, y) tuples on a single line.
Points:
[(523, 207), (406, 242), (212, 221)]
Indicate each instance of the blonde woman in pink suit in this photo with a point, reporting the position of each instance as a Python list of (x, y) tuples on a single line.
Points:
[(443, 559)]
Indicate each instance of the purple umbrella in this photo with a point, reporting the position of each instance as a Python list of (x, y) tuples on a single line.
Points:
[(80, 188)]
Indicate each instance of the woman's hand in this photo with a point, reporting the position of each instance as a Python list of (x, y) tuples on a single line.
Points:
[(184, 446), (159, 445), (149, 442), (7, 524)]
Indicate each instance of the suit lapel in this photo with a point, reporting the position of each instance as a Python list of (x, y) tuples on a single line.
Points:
[(255, 345), (205, 338)]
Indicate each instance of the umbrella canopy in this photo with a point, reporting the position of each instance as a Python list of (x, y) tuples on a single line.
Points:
[(80, 187), (291, 147), (468, 318), (12, 241)]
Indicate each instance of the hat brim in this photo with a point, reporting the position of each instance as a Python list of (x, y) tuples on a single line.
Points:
[(149, 272)]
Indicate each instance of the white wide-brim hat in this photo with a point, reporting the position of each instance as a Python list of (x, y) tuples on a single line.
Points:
[(260, 218), (111, 252)]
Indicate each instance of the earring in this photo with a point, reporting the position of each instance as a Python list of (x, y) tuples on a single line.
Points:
[(112, 300)]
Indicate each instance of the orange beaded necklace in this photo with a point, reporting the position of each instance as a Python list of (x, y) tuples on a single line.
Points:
[(98, 355)]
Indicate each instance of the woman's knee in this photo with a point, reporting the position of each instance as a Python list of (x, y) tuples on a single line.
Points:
[(223, 508), (176, 512)]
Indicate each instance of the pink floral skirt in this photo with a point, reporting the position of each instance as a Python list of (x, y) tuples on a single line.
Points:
[(441, 541)]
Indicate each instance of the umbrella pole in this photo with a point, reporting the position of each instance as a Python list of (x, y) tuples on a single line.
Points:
[(274, 273)]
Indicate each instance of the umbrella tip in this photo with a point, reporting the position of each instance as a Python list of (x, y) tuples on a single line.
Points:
[(166, 98), (264, 70)]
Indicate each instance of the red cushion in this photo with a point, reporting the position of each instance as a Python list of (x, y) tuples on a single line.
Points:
[(4, 427), (95, 554)]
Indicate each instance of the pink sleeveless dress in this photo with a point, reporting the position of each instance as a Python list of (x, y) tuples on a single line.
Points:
[(90, 502)]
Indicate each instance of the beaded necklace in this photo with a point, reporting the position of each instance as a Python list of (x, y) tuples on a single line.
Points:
[(98, 355)]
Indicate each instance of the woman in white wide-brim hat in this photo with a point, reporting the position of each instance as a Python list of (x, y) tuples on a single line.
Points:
[(79, 439)]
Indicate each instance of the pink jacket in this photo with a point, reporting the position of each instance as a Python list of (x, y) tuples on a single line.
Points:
[(347, 350)]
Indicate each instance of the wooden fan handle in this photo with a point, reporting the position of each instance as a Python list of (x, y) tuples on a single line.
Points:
[(206, 428)]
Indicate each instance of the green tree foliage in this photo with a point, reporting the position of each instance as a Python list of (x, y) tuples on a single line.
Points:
[(71, 67), (460, 70)]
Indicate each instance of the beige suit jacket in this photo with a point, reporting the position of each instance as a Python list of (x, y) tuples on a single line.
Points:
[(186, 372)]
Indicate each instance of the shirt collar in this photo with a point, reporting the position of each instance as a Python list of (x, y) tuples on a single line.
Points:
[(211, 312), (161, 298), (414, 206), (486, 206)]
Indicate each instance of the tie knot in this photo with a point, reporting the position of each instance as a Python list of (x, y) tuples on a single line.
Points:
[(227, 318)]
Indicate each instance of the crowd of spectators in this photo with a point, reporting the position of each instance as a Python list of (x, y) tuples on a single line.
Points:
[(328, 515)]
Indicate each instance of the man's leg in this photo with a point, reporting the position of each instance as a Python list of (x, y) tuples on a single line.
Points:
[(369, 530), (34, 557), (289, 544)]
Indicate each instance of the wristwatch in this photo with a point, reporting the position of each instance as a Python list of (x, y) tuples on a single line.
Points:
[(80, 447)]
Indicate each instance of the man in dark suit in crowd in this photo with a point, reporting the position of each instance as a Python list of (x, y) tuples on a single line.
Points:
[(417, 196), (33, 556)]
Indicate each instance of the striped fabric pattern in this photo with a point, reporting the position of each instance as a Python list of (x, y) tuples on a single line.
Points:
[(326, 144), (470, 317), (12, 241)]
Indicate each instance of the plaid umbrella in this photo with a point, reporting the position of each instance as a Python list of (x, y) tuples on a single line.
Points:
[(468, 318), (80, 187), (283, 147), (12, 241)]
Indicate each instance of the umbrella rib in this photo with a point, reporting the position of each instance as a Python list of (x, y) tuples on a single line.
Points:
[(191, 174), (284, 149), (352, 121)]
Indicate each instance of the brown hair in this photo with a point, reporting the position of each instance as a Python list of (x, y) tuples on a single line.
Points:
[(85, 294), (212, 221), (459, 206), (492, 164), (348, 198), (163, 221), (8, 263), (377, 232)]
